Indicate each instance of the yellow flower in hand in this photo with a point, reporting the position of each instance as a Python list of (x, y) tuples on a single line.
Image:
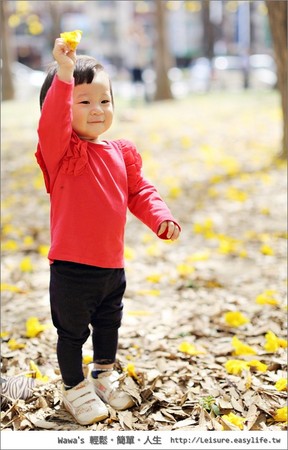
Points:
[(72, 38)]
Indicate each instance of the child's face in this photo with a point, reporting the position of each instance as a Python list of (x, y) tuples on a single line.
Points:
[(92, 108)]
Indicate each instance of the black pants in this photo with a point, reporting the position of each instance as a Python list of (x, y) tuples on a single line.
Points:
[(80, 296)]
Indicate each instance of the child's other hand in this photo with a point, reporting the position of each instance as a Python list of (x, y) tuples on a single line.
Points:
[(64, 56), (168, 230)]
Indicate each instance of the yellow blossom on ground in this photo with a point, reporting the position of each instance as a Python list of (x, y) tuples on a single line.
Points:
[(267, 250), (87, 359), (10, 287), (236, 366), (248, 381), (235, 194), (267, 298), (199, 256), (281, 384), (34, 327), (235, 318), (153, 250), (129, 253), (241, 348), (280, 414), (14, 345), (152, 292), (130, 369), (227, 245), (273, 343), (185, 269), (154, 277), (190, 349), (265, 211), (26, 264), (206, 228), (43, 250), (36, 372), (235, 420), (257, 365), (10, 245), (28, 240), (4, 334)]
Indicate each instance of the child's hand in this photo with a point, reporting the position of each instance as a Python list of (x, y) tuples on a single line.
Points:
[(65, 58), (168, 230)]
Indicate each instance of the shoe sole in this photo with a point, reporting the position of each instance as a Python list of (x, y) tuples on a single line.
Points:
[(128, 405), (94, 420)]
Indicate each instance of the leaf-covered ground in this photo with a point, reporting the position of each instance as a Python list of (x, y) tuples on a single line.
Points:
[(194, 366)]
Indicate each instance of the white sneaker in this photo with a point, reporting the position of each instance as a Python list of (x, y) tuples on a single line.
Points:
[(84, 405), (107, 386)]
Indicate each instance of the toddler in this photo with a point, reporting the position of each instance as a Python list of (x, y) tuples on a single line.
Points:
[(91, 183)]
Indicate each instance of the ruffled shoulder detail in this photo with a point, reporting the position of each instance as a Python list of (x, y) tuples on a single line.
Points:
[(75, 159), (43, 167), (133, 162)]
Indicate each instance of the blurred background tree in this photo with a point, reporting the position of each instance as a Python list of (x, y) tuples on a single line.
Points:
[(7, 86), (277, 12), (163, 60)]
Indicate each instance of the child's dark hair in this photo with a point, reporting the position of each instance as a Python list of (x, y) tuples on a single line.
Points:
[(85, 69)]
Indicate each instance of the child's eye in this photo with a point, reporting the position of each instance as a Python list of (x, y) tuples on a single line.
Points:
[(105, 101), (85, 102)]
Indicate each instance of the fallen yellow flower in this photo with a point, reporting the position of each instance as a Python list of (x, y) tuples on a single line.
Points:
[(184, 269), (14, 345), (26, 265), (258, 365), (241, 348), (154, 277), (280, 414), (87, 359), (43, 250), (4, 334), (235, 318), (267, 298), (72, 38), (190, 349), (234, 419), (235, 194), (36, 373), (267, 250), (152, 292), (236, 366), (130, 369), (281, 384), (199, 256), (33, 327), (206, 228), (129, 253), (10, 288), (273, 343)]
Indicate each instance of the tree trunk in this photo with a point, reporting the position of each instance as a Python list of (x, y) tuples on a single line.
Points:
[(208, 32), (6, 74), (277, 12), (163, 58)]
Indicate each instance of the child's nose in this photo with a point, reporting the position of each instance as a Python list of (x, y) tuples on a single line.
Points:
[(96, 109)]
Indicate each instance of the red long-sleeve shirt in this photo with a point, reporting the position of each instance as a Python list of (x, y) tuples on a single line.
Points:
[(91, 186)]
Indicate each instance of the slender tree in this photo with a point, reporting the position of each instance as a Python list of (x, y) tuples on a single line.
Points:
[(163, 57), (277, 13), (6, 55)]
